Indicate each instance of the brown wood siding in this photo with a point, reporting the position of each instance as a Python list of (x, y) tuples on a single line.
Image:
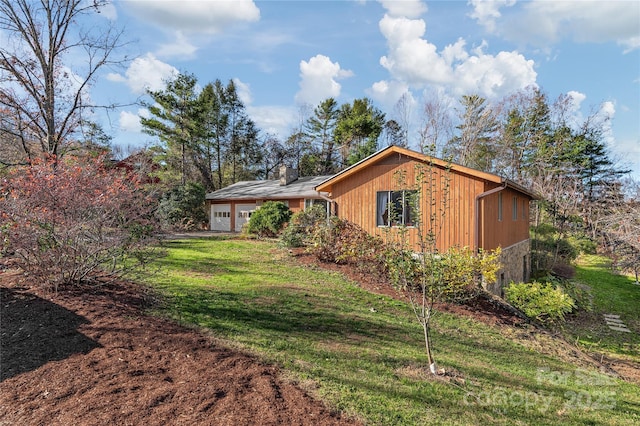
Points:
[(507, 232), (356, 199)]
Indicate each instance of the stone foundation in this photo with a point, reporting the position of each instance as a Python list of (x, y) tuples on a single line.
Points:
[(516, 267)]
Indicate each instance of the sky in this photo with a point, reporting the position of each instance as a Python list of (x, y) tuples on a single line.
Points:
[(287, 56)]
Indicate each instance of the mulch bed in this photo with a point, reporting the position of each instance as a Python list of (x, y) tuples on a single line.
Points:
[(91, 357)]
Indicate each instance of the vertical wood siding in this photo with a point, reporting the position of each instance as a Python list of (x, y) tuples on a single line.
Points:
[(509, 231), (356, 201)]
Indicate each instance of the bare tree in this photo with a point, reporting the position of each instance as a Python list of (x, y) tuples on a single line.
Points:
[(402, 112), (42, 94), (622, 232), (437, 125)]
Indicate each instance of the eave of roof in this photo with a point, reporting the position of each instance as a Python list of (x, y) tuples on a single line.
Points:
[(325, 186)]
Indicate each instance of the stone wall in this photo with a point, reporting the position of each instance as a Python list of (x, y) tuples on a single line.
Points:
[(516, 267)]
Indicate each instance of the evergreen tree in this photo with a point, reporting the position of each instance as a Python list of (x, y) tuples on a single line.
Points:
[(473, 146), (174, 121), (357, 130), (320, 130)]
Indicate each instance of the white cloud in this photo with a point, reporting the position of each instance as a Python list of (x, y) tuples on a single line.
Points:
[(130, 122), (576, 99), (276, 120), (541, 23), (414, 60), (318, 80), (271, 119), (406, 8), (195, 16), (144, 73), (108, 10), (487, 11), (180, 48), (387, 93), (494, 76), (244, 91), (411, 58), (606, 113)]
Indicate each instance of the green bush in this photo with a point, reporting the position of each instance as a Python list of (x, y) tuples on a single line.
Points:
[(299, 231), (549, 248), (452, 276), (540, 300), (268, 220), (182, 207), (583, 244)]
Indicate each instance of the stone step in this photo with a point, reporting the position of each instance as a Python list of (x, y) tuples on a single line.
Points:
[(623, 329)]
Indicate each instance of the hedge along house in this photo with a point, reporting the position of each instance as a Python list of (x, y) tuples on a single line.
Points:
[(231, 207), (482, 210)]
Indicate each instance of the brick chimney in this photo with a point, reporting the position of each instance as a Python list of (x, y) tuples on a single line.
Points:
[(287, 175)]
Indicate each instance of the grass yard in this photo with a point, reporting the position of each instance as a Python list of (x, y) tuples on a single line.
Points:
[(362, 353), (610, 294)]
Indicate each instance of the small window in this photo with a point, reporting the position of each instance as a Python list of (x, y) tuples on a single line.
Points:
[(394, 208), (514, 214), (500, 206), (524, 209)]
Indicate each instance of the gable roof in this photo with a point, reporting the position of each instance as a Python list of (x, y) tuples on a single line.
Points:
[(303, 187), (325, 186)]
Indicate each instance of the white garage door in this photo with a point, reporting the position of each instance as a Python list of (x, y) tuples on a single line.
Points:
[(221, 217), (243, 213)]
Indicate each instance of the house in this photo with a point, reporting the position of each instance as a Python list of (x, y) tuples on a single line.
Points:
[(482, 210), (231, 207)]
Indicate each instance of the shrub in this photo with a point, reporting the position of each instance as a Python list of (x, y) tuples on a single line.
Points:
[(583, 244), (454, 275), (75, 221), (344, 242), (540, 300), (550, 248), (300, 229), (182, 207), (268, 220)]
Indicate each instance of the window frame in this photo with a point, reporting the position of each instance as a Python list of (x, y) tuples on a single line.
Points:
[(397, 198)]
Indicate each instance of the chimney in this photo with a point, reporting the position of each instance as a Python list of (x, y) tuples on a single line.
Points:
[(287, 175)]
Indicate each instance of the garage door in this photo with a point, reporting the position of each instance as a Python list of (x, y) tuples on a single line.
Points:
[(243, 213), (221, 217)]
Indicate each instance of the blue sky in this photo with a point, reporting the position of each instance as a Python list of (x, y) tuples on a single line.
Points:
[(286, 54)]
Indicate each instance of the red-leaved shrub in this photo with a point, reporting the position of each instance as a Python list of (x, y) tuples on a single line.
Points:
[(75, 220)]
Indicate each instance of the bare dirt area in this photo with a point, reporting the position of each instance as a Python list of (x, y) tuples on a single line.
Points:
[(92, 357)]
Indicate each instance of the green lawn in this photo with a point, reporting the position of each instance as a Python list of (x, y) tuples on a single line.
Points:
[(611, 294), (362, 353)]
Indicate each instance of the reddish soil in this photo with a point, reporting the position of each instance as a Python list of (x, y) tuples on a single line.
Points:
[(91, 357)]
